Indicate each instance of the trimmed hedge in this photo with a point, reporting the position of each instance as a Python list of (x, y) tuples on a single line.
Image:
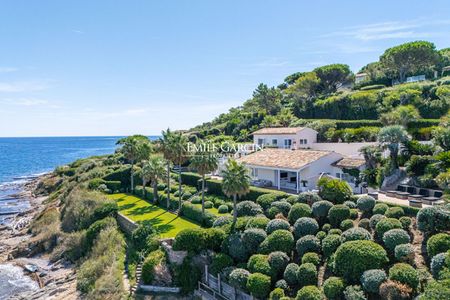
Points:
[(215, 187), (191, 178), (194, 213), (279, 240)]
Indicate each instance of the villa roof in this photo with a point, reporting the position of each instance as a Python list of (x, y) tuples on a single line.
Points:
[(349, 163), (283, 158), (279, 130)]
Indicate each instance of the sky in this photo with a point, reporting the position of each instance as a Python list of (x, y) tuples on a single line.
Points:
[(94, 68)]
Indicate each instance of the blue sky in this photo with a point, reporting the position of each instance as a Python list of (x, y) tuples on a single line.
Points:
[(124, 67)]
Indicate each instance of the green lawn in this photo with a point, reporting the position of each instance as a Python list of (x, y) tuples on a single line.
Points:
[(167, 223), (213, 210)]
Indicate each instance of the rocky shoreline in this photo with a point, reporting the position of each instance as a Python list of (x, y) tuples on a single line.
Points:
[(55, 280)]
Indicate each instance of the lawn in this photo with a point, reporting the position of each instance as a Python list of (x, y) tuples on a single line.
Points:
[(167, 223)]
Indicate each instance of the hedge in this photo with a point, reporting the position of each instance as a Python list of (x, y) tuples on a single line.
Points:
[(194, 213), (215, 187), (191, 179)]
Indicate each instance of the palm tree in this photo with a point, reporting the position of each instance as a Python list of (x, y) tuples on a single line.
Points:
[(236, 182), (391, 137), (372, 155), (135, 148), (165, 145), (179, 147), (204, 161), (152, 171)]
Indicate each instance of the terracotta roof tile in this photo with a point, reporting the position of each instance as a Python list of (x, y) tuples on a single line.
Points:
[(278, 130), (348, 162)]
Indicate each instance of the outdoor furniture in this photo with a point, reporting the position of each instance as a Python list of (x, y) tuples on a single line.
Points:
[(373, 194), (437, 194), (415, 203), (430, 200), (402, 188), (424, 192), (415, 197), (402, 195), (392, 194), (412, 190)]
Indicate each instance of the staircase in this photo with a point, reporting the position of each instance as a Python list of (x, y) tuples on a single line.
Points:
[(138, 275)]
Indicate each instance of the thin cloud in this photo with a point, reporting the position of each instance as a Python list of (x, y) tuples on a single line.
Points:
[(26, 102), (77, 31), (271, 62), (8, 69), (22, 86)]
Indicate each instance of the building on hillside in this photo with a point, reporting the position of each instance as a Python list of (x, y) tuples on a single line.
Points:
[(285, 137), (360, 77)]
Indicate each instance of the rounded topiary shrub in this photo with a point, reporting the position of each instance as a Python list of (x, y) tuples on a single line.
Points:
[(290, 274), (346, 224), (350, 204), (292, 199), (218, 202), (277, 224), (406, 222), (335, 231), (283, 206), (219, 262), (309, 292), (433, 219), (252, 238), (308, 243), (355, 257), (405, 274), (299, 210), (354, 213), (312, 258), (282, 284), (190, 239), (234, 246), (364, 223), (222, 221), (438, 263), (380, 208), (307, 274), (278, 261), (257, 222), (326, 227), (365, 204), (209, 204), (238, 278), (196, 200), (258, 263), (321, 235), (276, 294), (337, 214), (395, 290), (395, 237), (258, 285), (386, 224), (373, 221), (223, 209), (186, 195), (308, 198), (354, 292), (305, 226), (334, 190), (330, 244), (404, 253), (372, 279), (438, 243), (333, 288), (320, 209), (355, 234), (266, 200), (248, 208), (394, 212), (279, 240)]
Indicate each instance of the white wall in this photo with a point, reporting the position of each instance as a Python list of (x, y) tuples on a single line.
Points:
[(346, 149), (309, 134), (268, 175), (322, 165)]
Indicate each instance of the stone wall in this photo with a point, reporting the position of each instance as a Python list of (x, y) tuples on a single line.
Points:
[(126, 224)]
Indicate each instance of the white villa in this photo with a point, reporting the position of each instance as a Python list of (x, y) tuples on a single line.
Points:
[(285, 137)]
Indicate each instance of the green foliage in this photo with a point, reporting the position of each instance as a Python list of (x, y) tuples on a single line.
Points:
[(386, 224), (258, 285), (248, 208), (395, 237), (380, 208), (346, 224), (194, 212), (252, 238), (223, 209), (238, 278), (308, 197), (404, 253), (307, 243), (372, 279), (307, 274), (438, 243), (333, 288), (355, 234), (309, 292), (334, 190), (277, 224), (438, 264), (394, 212), (299, 210), (279, 240), (405, 274), (354, 292), (278, 261), (364, 223), (276, 294), (320, 208), (305, 226), (433, 219), (258, 222), (187, 276), (283, 207), (290, 274), (330, 244), (337, 214), (365, 204), (148, 267), (191, 179), (373, 221), (312, 258), (219, 262), (258, 263)]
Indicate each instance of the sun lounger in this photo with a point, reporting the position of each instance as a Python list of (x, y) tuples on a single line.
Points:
[(430, 200), (415, 203), (402, 195)]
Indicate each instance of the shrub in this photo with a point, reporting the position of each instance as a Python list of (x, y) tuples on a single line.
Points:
[(405, 274), (436, 290), (350, 204), (278, 261), (321, 235), (276, 294), (257, 222), (209, 204), (258, 285), (194, 212), (308, 243), (335, 231), (320, 208), (394, 212), (312, 258), (235, 247), (190, 239), (355, 257), (346, 224), (355, 234), (223, 209), (364, 223), (309, 292), (372, 279), (93, 231), (353, 213), (279, 240), (433, 219), (221, 221), (395, 237), (333, 288), (365, 204), (277, 224), (282, 284), (380, 208), (258, 263), (238, 278), (248, 208), (305, 226), (334, 190), (394, 290), (326, 227), (196, 200), (219, 262), (438, 263), (354, 292), (386, 224), (252, 238), (337, 214), (404, 253), (292, 199), (190, 178), (266, 200), (438, 243), (406, 222), (299, 210), (283, 206), (307, 274), (148, 267), (330, 244), (290, 274), (308, 197), (373, 221), (213, 238)]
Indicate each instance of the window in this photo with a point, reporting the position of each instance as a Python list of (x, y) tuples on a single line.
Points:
[(260, 141), (287, 143), (254, 172), (338, 175), (274, 142), (303, 141)]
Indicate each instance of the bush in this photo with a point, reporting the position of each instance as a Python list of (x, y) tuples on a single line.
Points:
[(335, 231), (221, 221), (406, 222), (277, 224), (394, 212), (386, 224), (194, 212), (282, 284), (190, 179), (93, 231), (394, 290), (309, 292), (395, 237), (321, 235), (278, 261), (355, 234), (438, 243), (355, 257), (405, 274), (113, 185), (238, 278), (223, 209), (320, 208), (258, 285), (330, 244), (234, 246), (219, 262), (307, 274), (276, 294), (299, 210), (350, 204), (283, 207), (312, 258), (326, 227), (148, 267), (292, 199), (290, 274), (305, 226), (266, 200), (252, 238), (308, 243), (353, 213), (196, 200), (366, 204), (213, 238), (404, 253), (334, 190), (346, 224), (433, 219), (190, 239), (373, 221), (333, 288), (209, 204), (258, 222), (372, 279), (364, 223), (279, 240), (380, 208), (436, 290), (258, 263), (354, 292), (308, 197), (438, 263), (248, 208), (337, 214)]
